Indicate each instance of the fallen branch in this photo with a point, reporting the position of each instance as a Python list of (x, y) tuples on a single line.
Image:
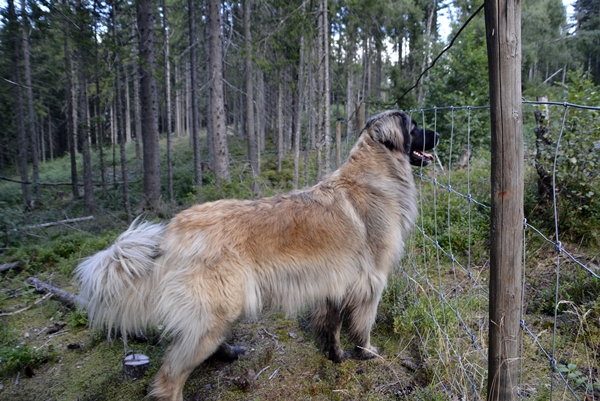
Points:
[(8, 266), (56, 223), (66, 298), (37, 301)]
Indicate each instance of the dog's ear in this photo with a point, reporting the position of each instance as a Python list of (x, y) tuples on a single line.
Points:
[(392, 129)]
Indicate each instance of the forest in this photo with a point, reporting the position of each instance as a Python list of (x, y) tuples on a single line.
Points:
[(84, 78), (115, 110)]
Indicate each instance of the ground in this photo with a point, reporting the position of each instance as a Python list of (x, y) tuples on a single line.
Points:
[(283, 362)]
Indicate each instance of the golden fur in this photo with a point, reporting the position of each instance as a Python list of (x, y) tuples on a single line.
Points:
[(329, 247)]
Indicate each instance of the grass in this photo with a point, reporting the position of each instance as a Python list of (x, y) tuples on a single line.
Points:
[(432, 323)]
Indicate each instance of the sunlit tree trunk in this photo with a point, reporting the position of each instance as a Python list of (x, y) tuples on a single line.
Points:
[(299, 102), (250, 131), (326, 89), (194, 131), (169, 115), (217, 104)]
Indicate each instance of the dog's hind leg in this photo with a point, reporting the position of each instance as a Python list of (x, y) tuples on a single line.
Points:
[(327, 321), (182, 357)]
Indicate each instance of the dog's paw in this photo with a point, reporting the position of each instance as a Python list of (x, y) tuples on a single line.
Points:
[(228, 353), (238, 351), (338, 356), (366, 353)]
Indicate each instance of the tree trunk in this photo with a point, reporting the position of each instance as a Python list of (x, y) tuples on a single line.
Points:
[(430, 14), (50, 136), (250, 132), (84, 128), (128, 137), (121, 122), (300, 95), (100, 135), (217, 102), (137, 111), (349, 88), (194, 132), (150, 137), (33, 136), (326, 89), (280, 125), (178, 100), (210, 129), (71, 126), (42, 139), (19, 112), (320, 90), (168, 113), (260, 114)]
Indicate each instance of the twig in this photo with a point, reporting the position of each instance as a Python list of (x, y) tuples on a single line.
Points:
[(262, 370), (274, 373), (272, 335), (37, 301)]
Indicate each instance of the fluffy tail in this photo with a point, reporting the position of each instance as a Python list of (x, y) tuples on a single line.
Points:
[(118, 283)]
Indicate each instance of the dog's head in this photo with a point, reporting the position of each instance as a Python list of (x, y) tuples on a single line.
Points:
[(397, 131)]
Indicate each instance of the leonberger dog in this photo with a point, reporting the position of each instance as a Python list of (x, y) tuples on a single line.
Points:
[(329, 248)]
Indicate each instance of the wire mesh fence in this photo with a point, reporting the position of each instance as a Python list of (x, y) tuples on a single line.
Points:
[(446, 270)]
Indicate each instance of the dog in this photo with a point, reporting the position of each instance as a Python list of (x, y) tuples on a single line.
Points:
[(329, 248)]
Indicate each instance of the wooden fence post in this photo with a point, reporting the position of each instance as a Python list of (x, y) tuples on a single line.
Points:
[(503, 33)]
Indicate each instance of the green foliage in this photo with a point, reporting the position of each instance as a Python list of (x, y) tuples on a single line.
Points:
[(576, 286), (460, 80), (577, 378), (543, 51), (15, 356), (462, 75), (577, 163), (78, 318)]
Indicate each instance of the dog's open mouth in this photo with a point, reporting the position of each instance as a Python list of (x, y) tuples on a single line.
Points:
[(420, 158)]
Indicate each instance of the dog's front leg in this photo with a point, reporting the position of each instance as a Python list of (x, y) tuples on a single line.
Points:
[(362, 310)]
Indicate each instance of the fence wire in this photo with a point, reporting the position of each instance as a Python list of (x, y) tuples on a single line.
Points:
[(447, 271)]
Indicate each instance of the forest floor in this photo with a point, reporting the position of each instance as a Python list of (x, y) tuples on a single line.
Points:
[(282, 362)]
